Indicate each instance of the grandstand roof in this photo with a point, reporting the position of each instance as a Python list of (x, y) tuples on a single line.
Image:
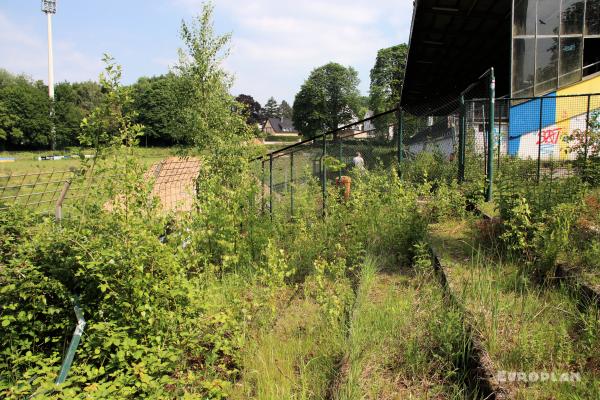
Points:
[(452, 43)]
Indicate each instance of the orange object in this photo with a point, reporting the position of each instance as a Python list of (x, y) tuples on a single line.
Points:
[(346, 182)]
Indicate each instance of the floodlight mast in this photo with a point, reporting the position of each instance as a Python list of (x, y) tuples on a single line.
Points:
[(49, 8)]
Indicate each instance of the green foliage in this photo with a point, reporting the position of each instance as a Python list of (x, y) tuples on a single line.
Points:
[(386, 82), (538, 221), (423, 261), (386, 78), (111, 124), (429, 167), (330, 287), (156, 104), (271, 109), (205, 117), (286, 111), (447, 201), (289, 139), (251, 109), (328, 99), (586, 144), (73, 102), (24, 113)]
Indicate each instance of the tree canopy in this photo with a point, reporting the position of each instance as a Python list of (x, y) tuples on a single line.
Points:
[(328, 98), (271, 109), (386, 78), (252, 109), (205, 114), (285, 110)]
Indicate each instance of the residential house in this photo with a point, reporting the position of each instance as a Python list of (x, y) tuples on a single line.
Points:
[(280, 130)]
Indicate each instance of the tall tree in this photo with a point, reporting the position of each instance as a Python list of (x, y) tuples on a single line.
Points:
[(252, 109), (327, 99), (271, 109), (26, 113), (386, 84), (73, 101), (386, 78), (285, 110), (156, 105), (206, 114)]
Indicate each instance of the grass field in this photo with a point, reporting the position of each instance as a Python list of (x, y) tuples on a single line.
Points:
[(37, 184), (27, 162)]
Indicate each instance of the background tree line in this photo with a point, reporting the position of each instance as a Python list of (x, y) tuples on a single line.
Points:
[(26, 121), (328, 99)]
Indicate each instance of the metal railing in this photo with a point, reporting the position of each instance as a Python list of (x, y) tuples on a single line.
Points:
[(173, 185), (476, 139)]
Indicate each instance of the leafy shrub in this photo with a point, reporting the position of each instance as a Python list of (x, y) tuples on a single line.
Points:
[(448, 201), (429, 166)]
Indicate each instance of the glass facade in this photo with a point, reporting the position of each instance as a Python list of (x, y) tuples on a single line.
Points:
[(592, 18), (555, 43)]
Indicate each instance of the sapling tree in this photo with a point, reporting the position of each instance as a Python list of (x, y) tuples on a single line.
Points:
[(206, 117), (111, 130)]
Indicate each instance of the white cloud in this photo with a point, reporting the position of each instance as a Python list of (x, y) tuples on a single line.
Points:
[(25, 51), (278, 42)]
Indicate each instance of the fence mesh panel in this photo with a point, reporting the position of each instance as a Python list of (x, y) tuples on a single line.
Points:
[(533, 141), (173, 185), (301, 177)]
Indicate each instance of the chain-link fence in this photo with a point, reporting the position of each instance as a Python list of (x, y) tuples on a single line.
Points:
[(534, 140), (297, 178), (506, 141), (524, 141), (173, 185)]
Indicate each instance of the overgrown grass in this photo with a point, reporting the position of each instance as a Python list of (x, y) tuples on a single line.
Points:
[(403, 340), (526, 327)]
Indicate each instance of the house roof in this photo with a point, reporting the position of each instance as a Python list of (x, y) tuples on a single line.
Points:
[(452, 43), (282, 125)]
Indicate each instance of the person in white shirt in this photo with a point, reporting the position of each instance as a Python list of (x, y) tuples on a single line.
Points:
[(358, 161)]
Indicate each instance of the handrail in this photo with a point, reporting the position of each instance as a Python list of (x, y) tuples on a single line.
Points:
[(362, 121)]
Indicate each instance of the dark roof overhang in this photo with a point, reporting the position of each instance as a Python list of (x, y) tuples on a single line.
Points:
[(452, 43)]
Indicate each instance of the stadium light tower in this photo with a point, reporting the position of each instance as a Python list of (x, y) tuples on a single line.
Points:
[(49, 8)]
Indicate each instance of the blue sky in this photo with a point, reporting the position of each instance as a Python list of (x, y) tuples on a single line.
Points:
[(276, 43)]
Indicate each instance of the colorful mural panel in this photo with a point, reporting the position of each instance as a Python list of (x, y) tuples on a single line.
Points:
[(560, 118)]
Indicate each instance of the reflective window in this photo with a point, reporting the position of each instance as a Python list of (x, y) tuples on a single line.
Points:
[(572, 17), (524, 17), (592, 17), (555, 43), (548, 17), (523, 67), (546, 75), (570, 60), (591, 56)]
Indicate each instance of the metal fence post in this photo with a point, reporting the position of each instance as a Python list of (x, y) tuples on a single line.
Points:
[(539, 159), (341, 156), (271, 185), (461, 139), (500, 137), (490, 158), (400, 140), (292, 185), (68, 361), (587, 128), (60, 201), (262, 188), (324, 176)]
